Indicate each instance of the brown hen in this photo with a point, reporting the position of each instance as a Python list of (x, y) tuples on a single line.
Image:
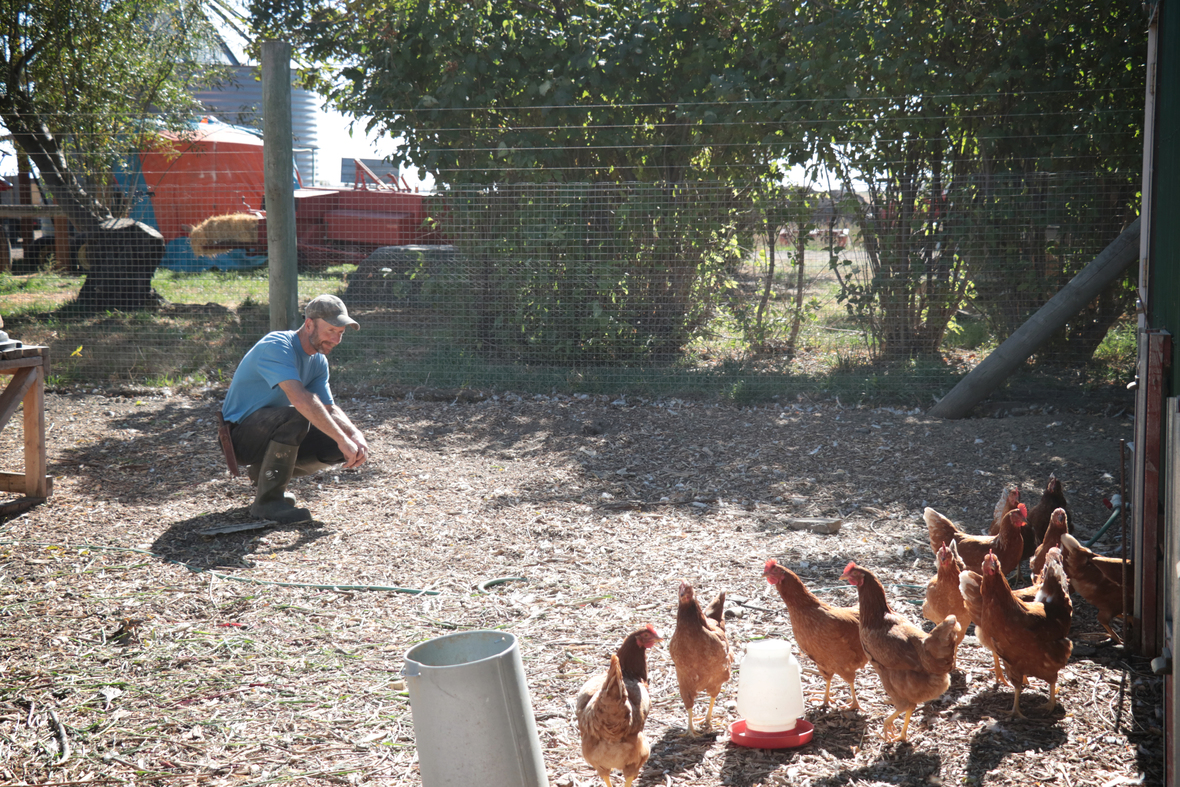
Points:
[(1099, 581), (1009, 499), (1030, 638), (1058, 526), (700, 651), (612, 709), (943, 598), (1039, 515), (975, 611), (1007, 544), (829, 636), (914, 666)]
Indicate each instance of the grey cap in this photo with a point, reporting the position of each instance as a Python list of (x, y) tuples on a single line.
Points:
[(331, 310)]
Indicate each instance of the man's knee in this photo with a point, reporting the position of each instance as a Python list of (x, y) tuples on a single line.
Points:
[(293, 430), (271, 424)]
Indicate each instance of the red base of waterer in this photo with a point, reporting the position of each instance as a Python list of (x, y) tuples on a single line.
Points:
[(771, 740)]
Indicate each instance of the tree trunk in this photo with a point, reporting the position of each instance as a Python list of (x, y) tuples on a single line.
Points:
[(123, 257), (1006, 358), (772, 235), (800, 284)]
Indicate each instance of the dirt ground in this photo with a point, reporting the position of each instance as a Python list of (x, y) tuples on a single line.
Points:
[(138, 649)]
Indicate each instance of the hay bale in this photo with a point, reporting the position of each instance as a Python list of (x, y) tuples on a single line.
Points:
[(218, 234)]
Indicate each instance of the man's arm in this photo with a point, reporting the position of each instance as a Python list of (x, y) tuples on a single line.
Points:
[(331, 422), (346, 426)]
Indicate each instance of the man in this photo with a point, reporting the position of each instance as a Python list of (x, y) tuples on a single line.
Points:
[(282, 418)]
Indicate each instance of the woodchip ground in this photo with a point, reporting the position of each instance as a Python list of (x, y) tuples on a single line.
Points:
[(137, 650)]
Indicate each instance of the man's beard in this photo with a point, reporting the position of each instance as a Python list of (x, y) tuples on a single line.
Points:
[(317, 342)]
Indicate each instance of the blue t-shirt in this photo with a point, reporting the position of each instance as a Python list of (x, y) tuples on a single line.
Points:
[(277, 357)]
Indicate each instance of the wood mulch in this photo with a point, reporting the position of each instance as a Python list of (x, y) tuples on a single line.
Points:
[(137, 650)]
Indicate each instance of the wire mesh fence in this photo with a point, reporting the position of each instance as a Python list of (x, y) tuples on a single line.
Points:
[(889, 283)]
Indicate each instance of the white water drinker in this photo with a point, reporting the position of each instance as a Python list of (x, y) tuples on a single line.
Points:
[(770, 692)]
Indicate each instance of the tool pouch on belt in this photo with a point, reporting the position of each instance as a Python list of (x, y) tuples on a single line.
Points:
[(227, 446)]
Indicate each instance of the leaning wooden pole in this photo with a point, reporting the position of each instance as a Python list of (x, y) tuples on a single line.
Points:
[(1008, 357)]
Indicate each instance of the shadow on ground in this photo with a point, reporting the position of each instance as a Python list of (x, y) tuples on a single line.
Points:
[(202, 543)]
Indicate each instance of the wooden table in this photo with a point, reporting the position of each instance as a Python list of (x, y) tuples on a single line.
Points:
[(28, 367)]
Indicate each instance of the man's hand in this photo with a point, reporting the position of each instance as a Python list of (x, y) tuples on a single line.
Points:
[(355, 450), (330, 420), (355, 439)]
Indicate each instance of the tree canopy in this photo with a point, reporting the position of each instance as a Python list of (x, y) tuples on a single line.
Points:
[(83, 77), (643, 90), (976, 126), (577, 91)]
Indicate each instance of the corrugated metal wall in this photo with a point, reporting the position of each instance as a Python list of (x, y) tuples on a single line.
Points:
[(1160, 286), (241, 104), (1163, 307)]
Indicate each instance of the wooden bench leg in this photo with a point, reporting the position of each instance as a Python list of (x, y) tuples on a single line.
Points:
[(36, 464)]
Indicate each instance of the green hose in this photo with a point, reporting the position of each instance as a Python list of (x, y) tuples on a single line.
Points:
[(231, 577)]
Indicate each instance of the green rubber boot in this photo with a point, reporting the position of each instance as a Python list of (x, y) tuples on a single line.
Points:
[(274, 472)]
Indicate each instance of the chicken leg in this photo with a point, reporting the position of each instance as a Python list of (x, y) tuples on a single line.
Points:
[(827, 691), (854, 704), (887, 726), (1015, 712), (691, 732), (706, 723), (999, 670), (1052, 696), (1018, 685)]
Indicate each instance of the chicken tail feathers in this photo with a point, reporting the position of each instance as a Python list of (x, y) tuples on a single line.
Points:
[(954, 547), (613, 685), (716, 609), (1054, 583), (1070, 544), (939, 647), (939, 528), (934, 519), (969, 587)]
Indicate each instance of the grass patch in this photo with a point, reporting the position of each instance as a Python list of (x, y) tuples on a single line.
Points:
[(1118, 355), (36, 293), (212, 318)]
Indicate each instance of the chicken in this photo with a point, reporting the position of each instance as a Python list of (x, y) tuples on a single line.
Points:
[(1030, 638), (1058, 526), (943, 598), (914, 667), (1039, 515), (1009, 499), (975, 612), (612, 708), (829, 636), (1099, 581), (1007, 544), (700, 651)]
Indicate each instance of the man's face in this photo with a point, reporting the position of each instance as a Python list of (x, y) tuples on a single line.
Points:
[(324, 336)]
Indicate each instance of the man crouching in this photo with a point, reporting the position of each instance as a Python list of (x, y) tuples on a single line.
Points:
[(282, 418)]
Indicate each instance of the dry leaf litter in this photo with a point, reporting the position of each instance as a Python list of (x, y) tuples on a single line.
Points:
[(150, 638)]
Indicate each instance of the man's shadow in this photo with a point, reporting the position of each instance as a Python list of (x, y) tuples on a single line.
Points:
[(225, 539)]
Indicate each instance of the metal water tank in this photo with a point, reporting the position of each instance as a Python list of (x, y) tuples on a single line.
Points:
[(240, 102)]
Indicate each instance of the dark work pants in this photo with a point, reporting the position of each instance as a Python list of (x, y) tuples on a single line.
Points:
[(283, 425)]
